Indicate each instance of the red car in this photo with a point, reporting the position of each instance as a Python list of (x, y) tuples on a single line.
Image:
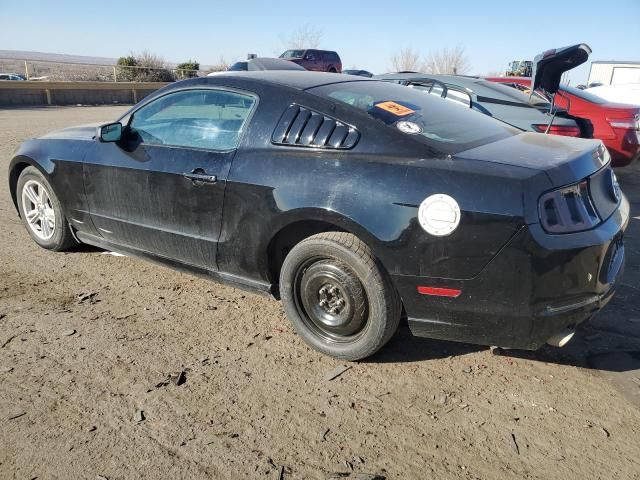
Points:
[(616, 124)]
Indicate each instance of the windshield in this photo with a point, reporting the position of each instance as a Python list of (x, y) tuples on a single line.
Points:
[(444, 125), (238, 67), (292, 54)]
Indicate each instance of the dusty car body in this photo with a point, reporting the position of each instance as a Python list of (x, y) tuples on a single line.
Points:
[(351, 199)]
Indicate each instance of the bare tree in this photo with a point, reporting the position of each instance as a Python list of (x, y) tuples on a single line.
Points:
[(447, 61), (307, 36), (221, 66), (149, 60), (406, 60)]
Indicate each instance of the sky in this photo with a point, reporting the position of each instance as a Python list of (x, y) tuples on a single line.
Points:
[(365, 34)]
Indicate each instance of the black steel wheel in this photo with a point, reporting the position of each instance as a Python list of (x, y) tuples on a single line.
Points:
[(337, 296), (331, 299)]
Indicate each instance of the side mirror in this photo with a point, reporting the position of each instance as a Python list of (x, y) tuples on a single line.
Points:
[(111, 132)]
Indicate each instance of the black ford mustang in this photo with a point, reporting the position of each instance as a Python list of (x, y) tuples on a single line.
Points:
[(349, 198)]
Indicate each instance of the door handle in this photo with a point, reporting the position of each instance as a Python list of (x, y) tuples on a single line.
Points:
[(198, 175)]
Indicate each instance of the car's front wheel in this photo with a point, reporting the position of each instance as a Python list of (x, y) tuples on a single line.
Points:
[(41, 212), (338, 297)]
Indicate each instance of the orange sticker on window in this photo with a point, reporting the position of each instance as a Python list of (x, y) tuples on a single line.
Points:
[(395, 108)]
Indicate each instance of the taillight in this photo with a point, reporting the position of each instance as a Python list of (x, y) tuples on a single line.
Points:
[(629, 123), (566, 130), (568, 209)]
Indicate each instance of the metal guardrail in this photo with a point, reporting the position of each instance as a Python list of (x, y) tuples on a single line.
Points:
[(86, 72), (25, 93)]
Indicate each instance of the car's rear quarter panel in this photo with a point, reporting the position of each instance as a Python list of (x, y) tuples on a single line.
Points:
[(373, 191)]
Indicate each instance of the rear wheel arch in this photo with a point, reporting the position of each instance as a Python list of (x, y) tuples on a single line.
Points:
[(299, 229), (289, 236)]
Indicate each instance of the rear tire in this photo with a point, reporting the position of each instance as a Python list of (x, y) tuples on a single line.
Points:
[(338, 297), (41, 212)]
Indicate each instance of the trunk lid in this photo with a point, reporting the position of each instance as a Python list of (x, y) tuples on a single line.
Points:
[(549, 66), (564, 160)]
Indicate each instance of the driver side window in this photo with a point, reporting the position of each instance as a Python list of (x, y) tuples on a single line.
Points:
[(207, 119)]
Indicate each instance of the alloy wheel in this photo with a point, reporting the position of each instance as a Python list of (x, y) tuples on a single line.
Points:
[(38, 210)]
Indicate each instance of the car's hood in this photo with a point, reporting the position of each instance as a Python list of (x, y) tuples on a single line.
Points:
[(549, 66), (565, 160), (81, 132)]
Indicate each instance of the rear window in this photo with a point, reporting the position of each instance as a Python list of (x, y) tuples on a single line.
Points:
[(510, 94), (331, 56), (443, 125)]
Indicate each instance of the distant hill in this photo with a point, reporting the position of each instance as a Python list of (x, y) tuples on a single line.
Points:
[(66, 58), (56, 57)]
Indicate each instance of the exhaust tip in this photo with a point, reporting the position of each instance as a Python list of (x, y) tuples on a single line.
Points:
[(560, 339)]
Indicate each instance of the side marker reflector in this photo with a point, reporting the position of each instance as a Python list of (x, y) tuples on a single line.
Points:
[(440, 292)]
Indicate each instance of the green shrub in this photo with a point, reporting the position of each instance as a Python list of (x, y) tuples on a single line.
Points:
[(126, 74), (143, 67), (188, 69)]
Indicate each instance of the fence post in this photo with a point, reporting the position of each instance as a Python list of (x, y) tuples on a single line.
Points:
[(115, 75), (26, 70)]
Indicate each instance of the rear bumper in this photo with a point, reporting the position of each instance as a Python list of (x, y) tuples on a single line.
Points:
[(535, 287), (625, 150)]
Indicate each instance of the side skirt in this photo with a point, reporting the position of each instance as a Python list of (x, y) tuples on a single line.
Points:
[(235, 281)]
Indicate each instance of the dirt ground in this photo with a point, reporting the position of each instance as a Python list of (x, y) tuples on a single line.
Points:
[(89, 342)]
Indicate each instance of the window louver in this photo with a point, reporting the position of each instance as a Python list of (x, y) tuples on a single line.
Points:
[(302, 127)]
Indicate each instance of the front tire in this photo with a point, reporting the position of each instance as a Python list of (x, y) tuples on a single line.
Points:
[(338, 297), (41, 212)]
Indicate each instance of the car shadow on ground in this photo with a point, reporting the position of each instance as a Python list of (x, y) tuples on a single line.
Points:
[(406, 348), (609, 342), (84, 248)]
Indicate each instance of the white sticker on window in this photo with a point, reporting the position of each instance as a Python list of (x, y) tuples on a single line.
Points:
[(409, 127)]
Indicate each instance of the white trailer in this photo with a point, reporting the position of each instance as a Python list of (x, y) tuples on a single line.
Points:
[(614, 73)]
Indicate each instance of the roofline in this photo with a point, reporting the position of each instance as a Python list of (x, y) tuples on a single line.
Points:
[(617, 62), (239, 75)]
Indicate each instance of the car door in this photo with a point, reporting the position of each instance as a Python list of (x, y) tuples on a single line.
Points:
[(313, 61), (160, 188)]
